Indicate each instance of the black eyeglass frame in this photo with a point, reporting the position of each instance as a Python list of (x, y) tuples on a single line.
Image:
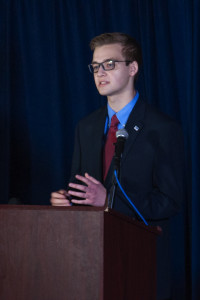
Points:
[(90, 66)]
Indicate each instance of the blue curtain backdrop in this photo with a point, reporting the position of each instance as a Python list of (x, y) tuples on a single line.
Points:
[(45, 88)]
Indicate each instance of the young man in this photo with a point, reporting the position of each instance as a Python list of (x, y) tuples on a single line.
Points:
[(152, 163)]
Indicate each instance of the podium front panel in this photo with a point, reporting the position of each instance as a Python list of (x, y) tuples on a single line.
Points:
[(50, 254)]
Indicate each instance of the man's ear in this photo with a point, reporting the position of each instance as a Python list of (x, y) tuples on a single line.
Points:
[(133, 68)]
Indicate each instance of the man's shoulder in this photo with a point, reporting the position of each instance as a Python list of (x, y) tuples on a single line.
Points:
[(95, 116), (156, 115)]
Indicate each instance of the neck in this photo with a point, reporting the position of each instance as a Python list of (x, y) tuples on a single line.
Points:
[(117, 102)]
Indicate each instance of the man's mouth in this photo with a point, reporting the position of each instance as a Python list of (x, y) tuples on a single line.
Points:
[(102, 83)]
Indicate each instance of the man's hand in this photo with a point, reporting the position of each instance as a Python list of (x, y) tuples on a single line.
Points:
[(93, 193), (59, 198)]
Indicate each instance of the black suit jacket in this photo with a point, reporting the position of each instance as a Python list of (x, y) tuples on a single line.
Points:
[(151, 169)]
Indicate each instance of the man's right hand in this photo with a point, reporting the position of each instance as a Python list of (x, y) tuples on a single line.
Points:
[(60, 198)]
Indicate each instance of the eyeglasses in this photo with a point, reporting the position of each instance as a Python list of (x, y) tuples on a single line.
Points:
[(107, 65)]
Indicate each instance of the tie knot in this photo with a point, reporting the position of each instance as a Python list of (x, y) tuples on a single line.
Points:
[(114, 121)]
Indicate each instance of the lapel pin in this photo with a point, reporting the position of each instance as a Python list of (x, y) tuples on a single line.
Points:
[(136, 128)]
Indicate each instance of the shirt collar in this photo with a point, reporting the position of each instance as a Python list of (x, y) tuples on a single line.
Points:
[(124, 113)]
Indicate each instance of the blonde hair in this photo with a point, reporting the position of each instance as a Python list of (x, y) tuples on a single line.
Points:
[(131, 50)]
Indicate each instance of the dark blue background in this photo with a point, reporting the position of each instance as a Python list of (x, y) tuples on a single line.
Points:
[(45, 88)]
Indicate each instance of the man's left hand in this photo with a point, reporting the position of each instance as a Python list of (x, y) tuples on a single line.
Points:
[(93, 193)]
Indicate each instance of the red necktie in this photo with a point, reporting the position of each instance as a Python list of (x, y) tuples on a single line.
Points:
[(109, 145)]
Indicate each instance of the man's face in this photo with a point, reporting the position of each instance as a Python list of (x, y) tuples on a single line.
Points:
[(117, 81)]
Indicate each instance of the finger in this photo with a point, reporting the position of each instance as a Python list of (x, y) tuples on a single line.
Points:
[(58, 202), (62, 192), (77, 194), (54, 200), (91, 178), (57, 195), (86, 201), (83, 179), (64, 204), (77, 186)]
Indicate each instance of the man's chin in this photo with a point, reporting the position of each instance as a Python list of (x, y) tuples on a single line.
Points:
[(103, 93)]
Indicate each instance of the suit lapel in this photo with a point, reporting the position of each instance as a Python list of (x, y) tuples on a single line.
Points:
[(133, 126), (97, 142)]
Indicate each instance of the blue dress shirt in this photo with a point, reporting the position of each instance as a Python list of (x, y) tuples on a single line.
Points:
[(122, 115)]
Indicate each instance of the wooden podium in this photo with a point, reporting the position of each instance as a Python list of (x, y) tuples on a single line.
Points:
[(76, 253)]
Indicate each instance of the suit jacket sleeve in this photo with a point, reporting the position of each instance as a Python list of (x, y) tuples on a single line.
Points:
[(88, 144)]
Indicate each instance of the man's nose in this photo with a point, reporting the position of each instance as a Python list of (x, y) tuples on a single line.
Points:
[(101, 71)]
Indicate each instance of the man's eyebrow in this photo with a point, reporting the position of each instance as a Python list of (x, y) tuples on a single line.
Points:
[(107, 59)]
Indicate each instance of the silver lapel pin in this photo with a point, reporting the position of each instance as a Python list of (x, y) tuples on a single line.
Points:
[(136, 128)]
